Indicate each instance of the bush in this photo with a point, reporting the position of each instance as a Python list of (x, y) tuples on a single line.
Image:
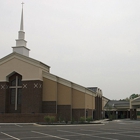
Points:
[(88, 119), (52, 119), (82, 119), (49, 119)]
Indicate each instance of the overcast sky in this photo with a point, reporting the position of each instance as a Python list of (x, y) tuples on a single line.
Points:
[(94, 43)]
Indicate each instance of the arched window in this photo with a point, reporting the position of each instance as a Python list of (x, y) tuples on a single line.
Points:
[(15, 86)]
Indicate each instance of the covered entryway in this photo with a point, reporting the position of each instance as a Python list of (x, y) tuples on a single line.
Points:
[(134, 106)]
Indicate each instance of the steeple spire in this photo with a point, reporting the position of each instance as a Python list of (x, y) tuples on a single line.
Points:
[(21, 24), (21, 42)]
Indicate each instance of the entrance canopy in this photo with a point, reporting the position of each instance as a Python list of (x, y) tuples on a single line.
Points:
[(114, 105), (135, 103)]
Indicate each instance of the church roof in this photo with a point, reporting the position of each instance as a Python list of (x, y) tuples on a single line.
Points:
[(28, 59)]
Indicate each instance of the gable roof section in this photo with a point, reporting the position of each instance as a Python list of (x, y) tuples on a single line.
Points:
[(117, 104), (97, 90), (26, 59), (136, 99)]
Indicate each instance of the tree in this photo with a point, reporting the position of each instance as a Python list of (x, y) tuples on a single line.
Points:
[(133, 96), (127, 99)]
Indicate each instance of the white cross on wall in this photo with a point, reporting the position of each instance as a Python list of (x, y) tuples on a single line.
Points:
[(16, 87)]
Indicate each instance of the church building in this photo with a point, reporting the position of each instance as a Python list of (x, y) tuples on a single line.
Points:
[(28, 91)]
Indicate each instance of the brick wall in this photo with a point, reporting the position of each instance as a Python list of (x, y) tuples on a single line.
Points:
[(3, 93), (98, 107), (89, 112), (133, 114), (23, 118), (64, 111), (49, 107), (77, 113), (31, 97)]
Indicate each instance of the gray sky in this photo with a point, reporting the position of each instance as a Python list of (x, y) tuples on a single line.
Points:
[(89, 42)]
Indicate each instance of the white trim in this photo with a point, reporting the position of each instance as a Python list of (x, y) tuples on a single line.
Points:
[(90, 93), (49, 76), (135, 99), (25, 59), (78, 87), (32, 79), (64, 82), (68, 83)]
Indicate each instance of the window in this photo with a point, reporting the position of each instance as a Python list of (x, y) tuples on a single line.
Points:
[(15, 90), (13, 82), (19, 82), (19, 96)]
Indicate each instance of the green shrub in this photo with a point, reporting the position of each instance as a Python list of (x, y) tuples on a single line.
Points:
[(52, 119), (88, 119), (47, 119), (82, 119)]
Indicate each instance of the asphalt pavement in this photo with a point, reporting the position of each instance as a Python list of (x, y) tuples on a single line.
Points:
[(108, 130)]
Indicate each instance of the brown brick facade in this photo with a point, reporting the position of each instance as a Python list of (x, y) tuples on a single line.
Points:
[(64, 112), (23, 118), (31, 104), (133, 114), (98, 108), (49, 107), (77, 113), (89, 112), (3, 93), (31, 97)]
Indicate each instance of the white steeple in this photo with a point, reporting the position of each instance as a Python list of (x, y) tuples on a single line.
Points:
[(21, 42)]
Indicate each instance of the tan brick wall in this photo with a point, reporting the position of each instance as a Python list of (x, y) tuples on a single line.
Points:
[(93, 100), (88, 101), (78, 99), (49, 90), (27, 70), (64, 95)]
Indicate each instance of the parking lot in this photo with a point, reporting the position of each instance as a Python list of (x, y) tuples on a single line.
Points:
[(114, 130)]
